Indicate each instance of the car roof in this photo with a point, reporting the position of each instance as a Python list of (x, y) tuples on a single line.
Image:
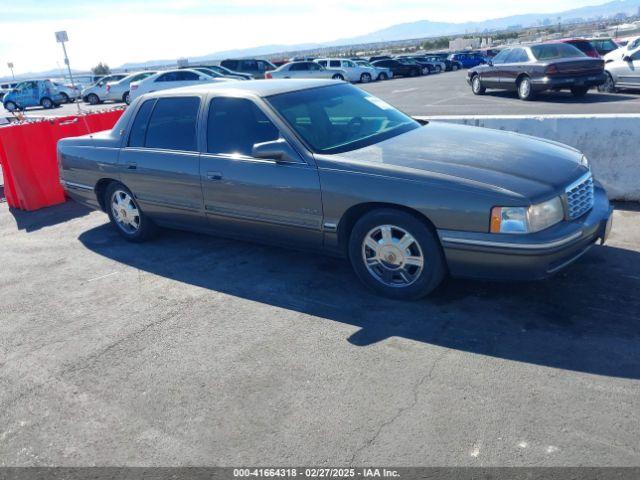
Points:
[(259, 88)]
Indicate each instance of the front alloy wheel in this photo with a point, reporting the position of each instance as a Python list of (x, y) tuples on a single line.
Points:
[(525, 90), (396, 254), (476, 86)]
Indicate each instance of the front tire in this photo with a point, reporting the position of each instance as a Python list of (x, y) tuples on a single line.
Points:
[(338, 76), (126, 215), (365, 78), (525, 89), (454, 68), (609, 86), (11, 106), (476, 86), (126, 98), (383, 76), (93, 99), (396, 254), (65, 98)]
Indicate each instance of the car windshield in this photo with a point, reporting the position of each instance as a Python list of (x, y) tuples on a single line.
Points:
[(340, 118), (553, 51)]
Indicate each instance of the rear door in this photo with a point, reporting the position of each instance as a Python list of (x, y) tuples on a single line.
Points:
[(250, 197), (160, 162)]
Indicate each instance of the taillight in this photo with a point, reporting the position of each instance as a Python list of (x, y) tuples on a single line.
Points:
[(268, 76), (134, 87), (108, 88), (551, 70)]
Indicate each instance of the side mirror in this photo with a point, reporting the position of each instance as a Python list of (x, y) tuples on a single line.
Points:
[(626, 58), (490, 62), (277, 150)]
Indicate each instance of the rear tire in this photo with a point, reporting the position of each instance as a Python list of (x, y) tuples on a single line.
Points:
[(11, 106), (396, 254), (47, 103), (338, 76), (476, 86), (438, 69), (126, 215), (126, 98), (454, 68), (383, 76), (525, 89), (65, 98), (579, 92)]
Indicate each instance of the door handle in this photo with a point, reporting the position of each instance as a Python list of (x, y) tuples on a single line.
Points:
[(214, 175), (132, 165)]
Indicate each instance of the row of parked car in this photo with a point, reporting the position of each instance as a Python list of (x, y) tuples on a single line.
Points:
[(570, 64)]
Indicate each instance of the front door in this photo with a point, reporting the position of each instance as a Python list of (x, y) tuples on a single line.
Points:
[(160, 163), (250, 197)]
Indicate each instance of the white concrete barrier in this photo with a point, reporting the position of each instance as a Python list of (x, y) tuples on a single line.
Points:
[(610, 142)]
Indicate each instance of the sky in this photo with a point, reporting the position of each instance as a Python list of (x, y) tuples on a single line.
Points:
[(121, 31)]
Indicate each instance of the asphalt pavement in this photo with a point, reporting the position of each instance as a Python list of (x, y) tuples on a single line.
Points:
[(448, 94), (194, 350)]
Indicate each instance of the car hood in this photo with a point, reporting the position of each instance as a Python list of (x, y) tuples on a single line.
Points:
[(492, 159)]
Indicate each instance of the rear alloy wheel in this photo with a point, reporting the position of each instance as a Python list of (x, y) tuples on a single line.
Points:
[(454, 68), (579, 92), (93, 99), (365, 78), (10, 106), (65, 97), (383, 76), (47, 103), (476, 86), (438, 69), (525, 90), (396, 254), (609, 86), (338, 76), (126, 215)]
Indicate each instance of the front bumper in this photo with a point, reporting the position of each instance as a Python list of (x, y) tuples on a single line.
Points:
[(527, 257), (550, 83)]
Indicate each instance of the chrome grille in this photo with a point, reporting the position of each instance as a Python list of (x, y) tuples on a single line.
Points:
[(580, 197)]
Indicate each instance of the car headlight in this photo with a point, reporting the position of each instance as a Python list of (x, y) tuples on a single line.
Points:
[(527, 219)]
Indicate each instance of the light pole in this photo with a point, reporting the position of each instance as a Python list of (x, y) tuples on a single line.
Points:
[(10, 65), (62, 37)]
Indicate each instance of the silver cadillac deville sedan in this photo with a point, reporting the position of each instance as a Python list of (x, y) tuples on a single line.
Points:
[(321, 164)]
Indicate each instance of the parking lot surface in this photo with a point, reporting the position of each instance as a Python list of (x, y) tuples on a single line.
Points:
[(448, 94), (194, 350)]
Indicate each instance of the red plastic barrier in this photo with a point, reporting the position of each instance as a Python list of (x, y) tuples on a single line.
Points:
[(28, 156)]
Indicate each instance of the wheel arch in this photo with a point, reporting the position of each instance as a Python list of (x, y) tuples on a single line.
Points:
[(521, 77), (355, 212), (101, 188)]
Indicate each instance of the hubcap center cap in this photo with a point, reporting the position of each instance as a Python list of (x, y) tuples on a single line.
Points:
[(392, 256)]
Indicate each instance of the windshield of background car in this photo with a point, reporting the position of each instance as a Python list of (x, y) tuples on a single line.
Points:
[(340, 118), (554, 51)]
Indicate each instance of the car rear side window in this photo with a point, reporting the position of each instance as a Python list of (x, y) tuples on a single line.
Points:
[(235, 125), (172, 125), (139, 128)]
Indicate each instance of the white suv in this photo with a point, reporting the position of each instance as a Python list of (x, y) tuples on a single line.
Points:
[(355, 72)]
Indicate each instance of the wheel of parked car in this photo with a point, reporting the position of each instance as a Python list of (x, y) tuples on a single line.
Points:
[(47, 103), (93, 99), (338, 76), (383, 76), (609, 86), (126, 98), (126, 215), (438, 69), (454, 67), (579, 92), (476, 86), (396, 254), (525, 90), (365, 77), (65, 97), (10, 106), (414, 72)]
